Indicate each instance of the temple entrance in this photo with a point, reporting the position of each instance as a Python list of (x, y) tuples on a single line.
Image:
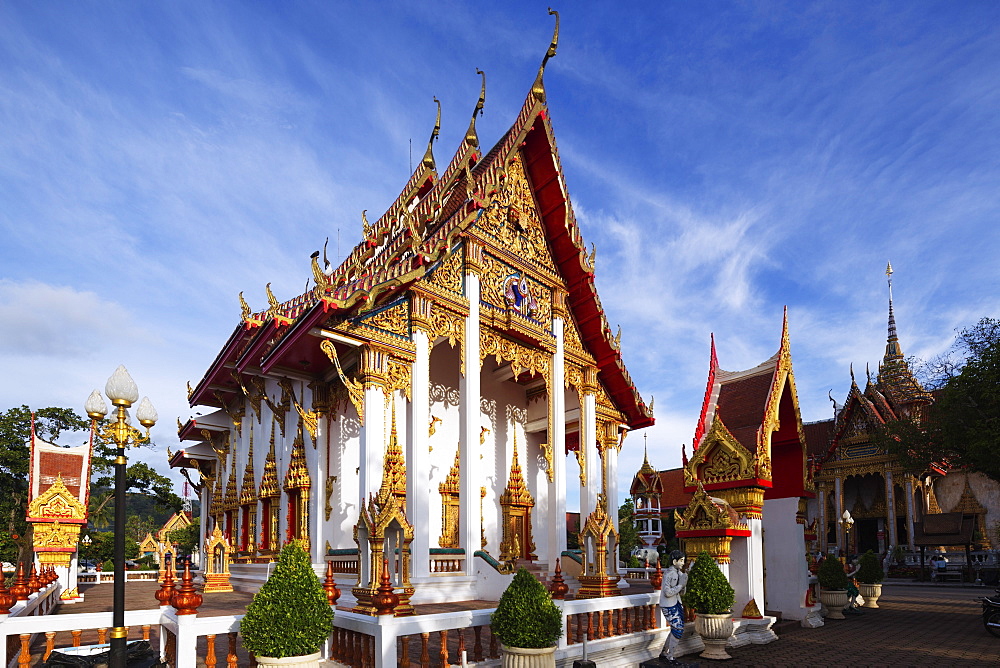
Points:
[(867, 535)]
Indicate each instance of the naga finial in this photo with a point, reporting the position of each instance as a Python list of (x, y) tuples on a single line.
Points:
[(428, 160), (244, 308), (470, 135), (538, 89), (366, 229), (322, 280), (618, 337), (271, 299)]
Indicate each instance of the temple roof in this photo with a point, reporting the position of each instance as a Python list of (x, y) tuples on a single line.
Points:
[(419, 229)]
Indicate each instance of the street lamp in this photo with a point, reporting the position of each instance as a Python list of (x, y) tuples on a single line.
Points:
[(122, 392), (847, 522)]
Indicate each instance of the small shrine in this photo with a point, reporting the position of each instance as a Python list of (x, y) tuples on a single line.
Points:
[(58, 490), (217, 563), (599, 541)]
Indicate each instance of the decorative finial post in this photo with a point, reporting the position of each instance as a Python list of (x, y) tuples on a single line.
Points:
[(166, 590), (33, 582), (386, 599), (20, 588), (186, 599), (7, 599), (656, 579), (558, 588), (330, 585)]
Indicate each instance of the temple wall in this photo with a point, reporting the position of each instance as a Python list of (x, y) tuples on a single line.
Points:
[(949, 489), (444, 404), (787, 577)]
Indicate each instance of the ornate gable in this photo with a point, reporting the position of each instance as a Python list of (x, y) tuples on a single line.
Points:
[(721, 461), (57, 503)]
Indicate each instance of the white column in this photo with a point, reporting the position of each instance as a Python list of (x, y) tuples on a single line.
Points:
[(838, 490), (557, 489), (611, 469), (373, 437), (317, 494), (890, 503), (417, 459), (821, 525), (588, 441), (469, 424), (909, 513)]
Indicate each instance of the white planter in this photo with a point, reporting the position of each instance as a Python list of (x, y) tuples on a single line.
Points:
[(834, 601), (715, 631), (870, 592), (307, 661), (520, 657)]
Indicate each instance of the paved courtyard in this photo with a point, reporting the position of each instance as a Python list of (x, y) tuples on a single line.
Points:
[(915, 625)]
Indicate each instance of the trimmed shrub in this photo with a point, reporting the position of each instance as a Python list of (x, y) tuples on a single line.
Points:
[(633, 562), (870, 570), (526, 617), (831, 574), (290, 615), (708, 591)]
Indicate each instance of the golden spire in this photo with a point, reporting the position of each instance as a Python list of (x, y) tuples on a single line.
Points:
[(297, 475), (269, 480), (248, 494), (646, 468), (428, 160), (393, 469), (470, 135), (538, 88)]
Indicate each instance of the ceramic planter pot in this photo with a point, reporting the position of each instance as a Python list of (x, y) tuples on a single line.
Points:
[(870, 592), (307, 661), (520, 657), (715, 631), (834, 601)]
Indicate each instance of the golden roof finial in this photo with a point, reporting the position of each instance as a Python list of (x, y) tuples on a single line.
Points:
[(470, 135), (366, 229), (538, 89), (244, 307), (272, 300), (428, 160)]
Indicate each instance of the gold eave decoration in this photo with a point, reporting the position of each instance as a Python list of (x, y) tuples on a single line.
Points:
[(57, 503)]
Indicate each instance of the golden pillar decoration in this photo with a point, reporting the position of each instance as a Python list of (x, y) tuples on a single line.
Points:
[(450, 505), (269, 494), (516, 503), (597, 539)]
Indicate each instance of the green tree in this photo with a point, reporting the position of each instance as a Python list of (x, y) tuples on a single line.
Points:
[(960, 428), (628, 535), (186, 538)]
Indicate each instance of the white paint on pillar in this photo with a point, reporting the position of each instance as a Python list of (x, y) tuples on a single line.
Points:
[(469, 424), (838, 490), (373, 436), (588, 433), (821, 525), (557, 497), (417, 457), (317, 493)]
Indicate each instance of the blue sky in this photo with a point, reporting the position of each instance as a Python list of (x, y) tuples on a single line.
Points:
[(727, 159)]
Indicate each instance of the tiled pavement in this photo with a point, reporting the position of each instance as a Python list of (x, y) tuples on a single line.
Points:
[(914, 626)]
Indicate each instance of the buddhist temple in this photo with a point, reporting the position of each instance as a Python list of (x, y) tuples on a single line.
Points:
[(887, 503), (426, 403)]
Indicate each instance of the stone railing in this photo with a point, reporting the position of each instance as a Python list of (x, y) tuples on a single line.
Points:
[(621, 630), (104, 577)]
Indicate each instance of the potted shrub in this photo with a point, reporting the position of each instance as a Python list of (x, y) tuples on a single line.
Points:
[(527, 623), (289, 619), (709, 593), (869, 577), (833, 587)]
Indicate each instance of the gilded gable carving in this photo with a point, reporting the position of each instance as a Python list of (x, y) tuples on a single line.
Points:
[(512, 219), (57, 502)]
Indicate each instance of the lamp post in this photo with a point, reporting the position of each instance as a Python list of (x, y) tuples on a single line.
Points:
[(847, 522), (122, 392)]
